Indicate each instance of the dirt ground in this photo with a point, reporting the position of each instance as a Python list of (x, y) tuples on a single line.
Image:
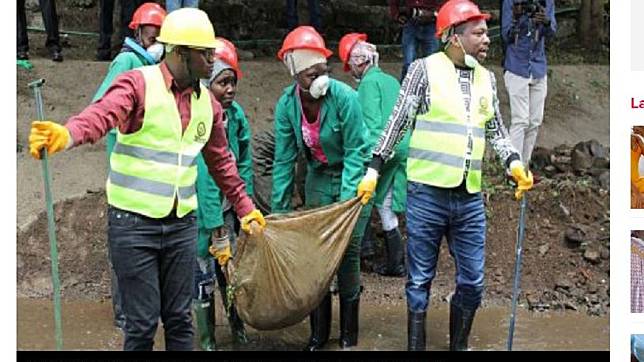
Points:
[(556, 275)]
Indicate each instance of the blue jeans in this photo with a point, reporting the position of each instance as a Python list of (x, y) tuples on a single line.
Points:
[(413, 36), (153, 260), (171, 5), (314, 14), (432, 213)]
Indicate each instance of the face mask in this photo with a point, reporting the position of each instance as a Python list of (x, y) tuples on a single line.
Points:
[(156, 51), (469, 60), (319, 86)]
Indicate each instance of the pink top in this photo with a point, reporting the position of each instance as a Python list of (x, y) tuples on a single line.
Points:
[(311, 133)]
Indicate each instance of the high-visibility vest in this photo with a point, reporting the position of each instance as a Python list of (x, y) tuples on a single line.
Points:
[(438, 146), (153, 166)]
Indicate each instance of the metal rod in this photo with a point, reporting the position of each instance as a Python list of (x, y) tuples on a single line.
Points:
[(517, 268), (53, 250)]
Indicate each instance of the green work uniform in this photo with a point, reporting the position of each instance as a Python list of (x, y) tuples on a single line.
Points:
[(209, 196), (377, 93), (123, 62), (343, 138)]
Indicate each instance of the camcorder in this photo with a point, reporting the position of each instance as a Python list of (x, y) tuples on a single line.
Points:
[(529, 7)]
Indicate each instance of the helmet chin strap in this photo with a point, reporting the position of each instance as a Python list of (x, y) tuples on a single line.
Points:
[(194, 81)]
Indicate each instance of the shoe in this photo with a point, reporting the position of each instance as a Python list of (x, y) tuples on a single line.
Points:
[(23, 55), (56, 56), (460, 324), (320, 320), (416, 330), (349, 315), (395, 264)]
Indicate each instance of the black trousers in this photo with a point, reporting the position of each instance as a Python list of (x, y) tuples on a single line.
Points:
[(106, 26), (154, 260), (50, 18)]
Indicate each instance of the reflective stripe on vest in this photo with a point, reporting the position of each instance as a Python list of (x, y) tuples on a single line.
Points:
[(156, 164), (438, 146)]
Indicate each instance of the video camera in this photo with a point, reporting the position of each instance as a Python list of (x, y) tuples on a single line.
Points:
[(530, 7)]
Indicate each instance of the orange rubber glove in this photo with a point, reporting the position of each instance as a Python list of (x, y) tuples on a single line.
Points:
[(253, 216), (367, 185), (50, 135), (524, 181)]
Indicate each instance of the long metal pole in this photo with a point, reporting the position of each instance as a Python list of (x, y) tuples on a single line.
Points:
[(517, 268), (53, 250)]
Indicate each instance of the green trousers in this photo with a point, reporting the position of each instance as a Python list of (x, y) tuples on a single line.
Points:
[(322, 187)]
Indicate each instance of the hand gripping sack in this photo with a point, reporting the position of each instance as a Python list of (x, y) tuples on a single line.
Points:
[(279, 276)]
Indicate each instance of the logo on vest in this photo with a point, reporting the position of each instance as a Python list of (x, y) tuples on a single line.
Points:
[(201, 131), (483, 104)]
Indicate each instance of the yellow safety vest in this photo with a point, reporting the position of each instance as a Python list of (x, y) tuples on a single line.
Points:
[(153, 166), (438, 145)]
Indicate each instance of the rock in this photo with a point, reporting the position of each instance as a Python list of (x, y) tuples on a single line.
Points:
[(592, 288), (541, 158), (596, 149), (245, 54), (574, 235), (580, 160), (550, 170), (604, 253), (563, 282), (592, 256), (604, 180), (570, 305), (601, 163), (543, 249)]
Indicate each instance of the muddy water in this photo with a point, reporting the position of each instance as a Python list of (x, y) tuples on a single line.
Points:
[(87, 325)]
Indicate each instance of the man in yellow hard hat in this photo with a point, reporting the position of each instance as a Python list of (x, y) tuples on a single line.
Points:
[(164, 118)]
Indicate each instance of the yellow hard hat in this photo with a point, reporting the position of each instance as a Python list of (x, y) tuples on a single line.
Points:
[(189, 27)]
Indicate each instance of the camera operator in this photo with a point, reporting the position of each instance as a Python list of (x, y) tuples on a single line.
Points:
[(524, 26), (418, 20)]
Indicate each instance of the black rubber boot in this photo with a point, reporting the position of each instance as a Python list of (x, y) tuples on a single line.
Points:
[(204, 310), (366, 248), (320, 325), (236, 324), (395, 265), (416, 331), (460, 324), (349, 317)]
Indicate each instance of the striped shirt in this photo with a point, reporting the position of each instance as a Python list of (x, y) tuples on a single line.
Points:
[(414, 99)]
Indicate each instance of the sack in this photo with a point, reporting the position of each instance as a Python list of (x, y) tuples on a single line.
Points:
[(279, 276)]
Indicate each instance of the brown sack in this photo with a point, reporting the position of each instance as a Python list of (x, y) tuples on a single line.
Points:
[(279, 276)]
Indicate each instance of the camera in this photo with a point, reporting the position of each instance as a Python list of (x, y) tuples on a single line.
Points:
[(530, 7)]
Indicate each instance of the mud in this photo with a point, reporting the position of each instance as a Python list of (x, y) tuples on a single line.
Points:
[(87, 325)]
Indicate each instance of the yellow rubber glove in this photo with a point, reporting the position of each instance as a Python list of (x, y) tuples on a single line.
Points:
[(220, 245), (367, 185), (50, 135), (524, 181), (254, 216)]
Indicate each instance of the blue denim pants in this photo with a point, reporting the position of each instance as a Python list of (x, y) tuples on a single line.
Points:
[(153, 260), (413, 36), (434, 213), (172, 5)]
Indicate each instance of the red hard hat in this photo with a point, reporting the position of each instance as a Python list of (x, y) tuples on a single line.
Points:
[(227, 53), (148, 14), (346, 44), (455, 12), (304, 37)]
